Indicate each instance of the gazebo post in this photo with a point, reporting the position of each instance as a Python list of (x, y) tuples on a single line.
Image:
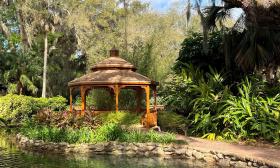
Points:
[(71, 99), (83, 100), (147, 89), (117, 91)]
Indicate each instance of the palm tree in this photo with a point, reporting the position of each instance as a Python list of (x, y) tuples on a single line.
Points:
[(44, 16), (254, 45), (20, 74)]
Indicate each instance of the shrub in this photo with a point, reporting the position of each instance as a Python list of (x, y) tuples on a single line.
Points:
[(150, 136), (120, 118), (104, 133), (55, 103), (15, 108), (249, 115), (215, 110), (170, 121)]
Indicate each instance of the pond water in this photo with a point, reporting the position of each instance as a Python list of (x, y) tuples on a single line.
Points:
[(12, 157)]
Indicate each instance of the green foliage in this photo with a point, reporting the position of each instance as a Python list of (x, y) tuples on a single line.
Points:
[(191, 52), (213, 111), (120, 118), (15, 108), (3, 122), (170, 121), (150, 136), (104, 133), (55, 103), (251, 115)]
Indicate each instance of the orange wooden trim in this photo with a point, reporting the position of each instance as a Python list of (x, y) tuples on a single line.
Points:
[(116, 90), (147, 90)]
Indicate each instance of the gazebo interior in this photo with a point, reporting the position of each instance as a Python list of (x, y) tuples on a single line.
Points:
[(114, 74)]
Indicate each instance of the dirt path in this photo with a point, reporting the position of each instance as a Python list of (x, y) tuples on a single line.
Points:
[(269, 155)]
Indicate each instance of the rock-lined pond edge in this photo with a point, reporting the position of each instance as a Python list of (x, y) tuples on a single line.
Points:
[(168, 151)]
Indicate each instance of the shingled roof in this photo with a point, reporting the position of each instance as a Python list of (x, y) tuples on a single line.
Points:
[(113, 70)]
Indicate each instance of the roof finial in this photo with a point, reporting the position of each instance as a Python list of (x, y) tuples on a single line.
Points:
[(114, 52)]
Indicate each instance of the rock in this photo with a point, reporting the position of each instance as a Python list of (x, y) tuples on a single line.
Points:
[(158, 152), (209, 160), (63, 144), (130, 152), (168, 149), (98, 148), (149, 148), (224, 163), (264, 166), (116, 152), (180, 151), (249, 164), (255, 164), (189, 152), (198, 155), (240, 164), (220, 156), (234, 158)]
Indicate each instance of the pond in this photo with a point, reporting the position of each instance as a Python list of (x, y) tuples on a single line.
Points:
[(12, 157)]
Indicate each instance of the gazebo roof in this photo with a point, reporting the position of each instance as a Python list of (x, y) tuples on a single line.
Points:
[(113, 70), (113, 62)]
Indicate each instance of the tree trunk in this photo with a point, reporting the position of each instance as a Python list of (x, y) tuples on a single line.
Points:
[(125, 27), (45, 65)]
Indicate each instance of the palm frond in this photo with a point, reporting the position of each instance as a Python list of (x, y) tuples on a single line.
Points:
[(3, 121), (26, 82)]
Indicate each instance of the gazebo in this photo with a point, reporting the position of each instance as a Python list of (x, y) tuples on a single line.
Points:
[(114, 74)]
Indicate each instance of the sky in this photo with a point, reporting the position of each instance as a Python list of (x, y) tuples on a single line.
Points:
[(164, 5)]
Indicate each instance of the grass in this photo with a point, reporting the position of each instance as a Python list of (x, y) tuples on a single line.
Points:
[(109, 130), (120, 118), (104, 133)]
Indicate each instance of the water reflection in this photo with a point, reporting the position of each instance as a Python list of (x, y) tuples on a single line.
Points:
[(11, 157)]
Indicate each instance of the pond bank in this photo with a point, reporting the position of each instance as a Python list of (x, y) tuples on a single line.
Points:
[(185, 152), (12, 156)]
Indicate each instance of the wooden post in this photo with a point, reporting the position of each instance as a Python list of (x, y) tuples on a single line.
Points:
[(71, 99), (147, 89), (116, 90), (83, 101), (147, 115)]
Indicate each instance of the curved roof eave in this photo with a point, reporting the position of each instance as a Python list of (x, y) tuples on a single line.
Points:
[(100, 83)]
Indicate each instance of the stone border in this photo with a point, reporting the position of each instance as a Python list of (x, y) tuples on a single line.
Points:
[(211, 158)]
